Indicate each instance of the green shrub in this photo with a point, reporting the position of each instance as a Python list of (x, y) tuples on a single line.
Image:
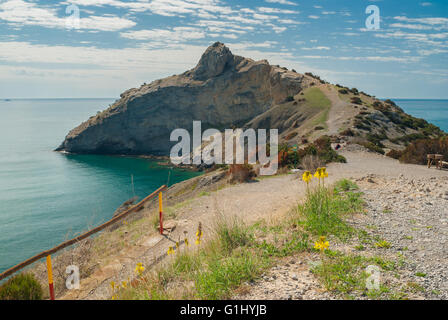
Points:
[(289, 98), (376, 139), (348, 133), (345, 185), (356, 100), (322, 148), (21, 287)]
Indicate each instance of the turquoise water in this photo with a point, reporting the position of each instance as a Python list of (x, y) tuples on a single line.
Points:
[(434, 111), (46, 197)]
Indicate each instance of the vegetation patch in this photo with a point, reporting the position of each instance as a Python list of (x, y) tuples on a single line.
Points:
[(21, 287), (417, 151)]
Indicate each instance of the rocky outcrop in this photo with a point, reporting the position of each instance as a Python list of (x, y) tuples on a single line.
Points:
[(223, 90), (228, 91)]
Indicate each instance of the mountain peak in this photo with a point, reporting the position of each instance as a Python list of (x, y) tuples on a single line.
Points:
[(213, 61)]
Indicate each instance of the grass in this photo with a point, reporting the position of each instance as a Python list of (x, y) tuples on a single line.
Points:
[(316, 99), (383, 244), (347, 274), (345, 185), (210, 272), (23, 286), (420, 274), (324, 210)]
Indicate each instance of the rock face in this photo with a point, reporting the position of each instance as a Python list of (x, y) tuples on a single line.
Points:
[(223, 91)]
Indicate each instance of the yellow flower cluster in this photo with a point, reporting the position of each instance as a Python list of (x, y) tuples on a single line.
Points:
[(139, 269), (307, 176), (322, 244), (170, 251), (321, 173)]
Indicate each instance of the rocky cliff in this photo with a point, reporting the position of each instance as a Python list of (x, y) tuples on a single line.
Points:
[(226, 91), (222, 91)]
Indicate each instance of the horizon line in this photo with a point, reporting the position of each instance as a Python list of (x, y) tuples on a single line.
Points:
[(101, 98)]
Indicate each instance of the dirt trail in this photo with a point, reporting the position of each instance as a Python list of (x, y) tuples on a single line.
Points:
[(264, 199), (340, 111)]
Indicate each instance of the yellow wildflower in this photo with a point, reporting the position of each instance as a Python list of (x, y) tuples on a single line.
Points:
[(186, 242), (307, 176), (170, 251), (198, 241), (322, 244), (324, 173), (318, 173), (112, 285), (177, 245), (124, 284), (139, 268), (199, 234)]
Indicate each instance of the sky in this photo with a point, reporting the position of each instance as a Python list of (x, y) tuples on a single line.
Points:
[(100, 48)]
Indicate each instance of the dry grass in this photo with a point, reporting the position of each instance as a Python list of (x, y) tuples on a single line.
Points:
[(311, 162)]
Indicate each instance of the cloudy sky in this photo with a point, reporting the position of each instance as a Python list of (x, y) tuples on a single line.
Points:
[(45, 52)]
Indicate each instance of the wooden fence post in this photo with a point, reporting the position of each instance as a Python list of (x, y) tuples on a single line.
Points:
[(161, 212), (50, 277)]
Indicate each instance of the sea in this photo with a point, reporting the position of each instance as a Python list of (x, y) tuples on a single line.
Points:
[(434, 111), (47, 197)]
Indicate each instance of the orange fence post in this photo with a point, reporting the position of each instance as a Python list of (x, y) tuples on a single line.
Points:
[(50, 277), (161, 212)]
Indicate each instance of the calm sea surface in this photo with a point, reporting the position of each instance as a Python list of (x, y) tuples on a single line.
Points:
[(45, 196), (434, 111)]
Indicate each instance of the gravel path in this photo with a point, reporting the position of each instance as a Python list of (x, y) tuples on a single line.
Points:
[(412, 215)]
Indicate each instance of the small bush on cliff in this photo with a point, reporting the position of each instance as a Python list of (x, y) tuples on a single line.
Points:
[(348, 133), (21, 287), (356, 100)]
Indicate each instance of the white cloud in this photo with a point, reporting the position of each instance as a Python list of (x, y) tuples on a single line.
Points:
[(317, 48), (410, 26), (313, 17), (174, 35), (431, 21), (276, 10), (20, 13), (367, 58), (286, 2)]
